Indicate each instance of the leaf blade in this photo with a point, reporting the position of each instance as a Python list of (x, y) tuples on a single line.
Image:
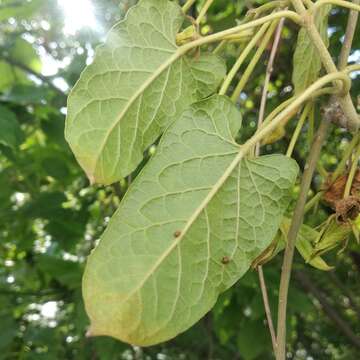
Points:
[(180, 242), (307, 63), (118, 112)]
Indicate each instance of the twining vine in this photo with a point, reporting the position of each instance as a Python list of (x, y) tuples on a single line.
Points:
[(186, 230)]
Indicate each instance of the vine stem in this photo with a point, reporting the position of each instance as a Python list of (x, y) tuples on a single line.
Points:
[(203, 11), (353, 120), (298, 128), (250, 68), (265, 297), (349, 36), (231, 74), (296, 222), (269, 70), (352, 172), (188, 5), (342, 3)]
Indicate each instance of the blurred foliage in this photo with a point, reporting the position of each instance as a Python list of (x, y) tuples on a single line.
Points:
[(50, 217)]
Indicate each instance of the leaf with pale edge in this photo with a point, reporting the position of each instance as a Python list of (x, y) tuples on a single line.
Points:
[(136, 86), (188, 228), (307, 62)]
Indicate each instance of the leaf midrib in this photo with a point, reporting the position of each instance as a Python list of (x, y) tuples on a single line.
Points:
[(216, 187), (176, 55)]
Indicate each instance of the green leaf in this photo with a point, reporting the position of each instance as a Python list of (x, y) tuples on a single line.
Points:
[(18, 9), (188, 228), (307, 63), (68, 273), (24, 53), (306, 237), (136, 86), (10, 131)]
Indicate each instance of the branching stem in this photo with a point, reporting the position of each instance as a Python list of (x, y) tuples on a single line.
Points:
[(231, 74), (250, 68), (342, 3)]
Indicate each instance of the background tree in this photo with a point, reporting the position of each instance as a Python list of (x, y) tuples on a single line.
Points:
[(51, 217)]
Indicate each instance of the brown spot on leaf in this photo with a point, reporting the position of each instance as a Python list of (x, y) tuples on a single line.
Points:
[(177, 233), (225, 260)]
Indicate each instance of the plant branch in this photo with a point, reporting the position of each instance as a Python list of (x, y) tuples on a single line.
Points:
[(348, 293), (250, 68), (296, 223), (203, 11), (265, 297), (262, 282), (342, 3), (269, 70), (188, 5), (349, 36), (298, 128), (344, 99), (30, 71), (340, 323), (230, 76)]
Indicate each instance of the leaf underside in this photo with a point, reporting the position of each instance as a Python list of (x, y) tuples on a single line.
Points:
[(134, 89), (307, 62), (181, 236)]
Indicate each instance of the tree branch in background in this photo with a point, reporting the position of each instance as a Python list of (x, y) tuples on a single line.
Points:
[(341, 324), (346, 291), (296, 223), (30, 71)]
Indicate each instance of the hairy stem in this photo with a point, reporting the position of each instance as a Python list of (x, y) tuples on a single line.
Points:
[(296, 223), (203, 11), (349, 36), (250, 68), (267, 307), (231, 74), (188, 5), (269, 70), (342, 3), (298, 128), (353, 120)]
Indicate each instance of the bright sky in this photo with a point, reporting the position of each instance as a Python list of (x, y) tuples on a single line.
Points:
[(78, 14)]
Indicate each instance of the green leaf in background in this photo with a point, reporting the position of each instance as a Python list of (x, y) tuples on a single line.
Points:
[(10, 131), (25, 54), (68, 273), (134, 88), (18, 9), (185, 232), (305, 241), (307, 63)]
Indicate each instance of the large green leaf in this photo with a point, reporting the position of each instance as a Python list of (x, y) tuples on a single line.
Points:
[(10, 131), (188, 228), (307, 62), (137, 84)]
